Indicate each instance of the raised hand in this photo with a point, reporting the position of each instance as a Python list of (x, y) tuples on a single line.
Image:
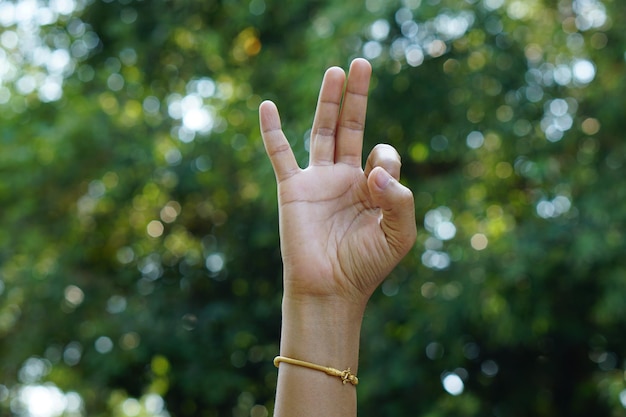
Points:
[(342, 228)]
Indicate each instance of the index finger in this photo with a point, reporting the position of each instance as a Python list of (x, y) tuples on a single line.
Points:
[(276, 144)]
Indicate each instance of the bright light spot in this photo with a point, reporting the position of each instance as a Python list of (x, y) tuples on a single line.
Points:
[(174, 107), (103, 344), (557, 120), (33, 370), (409, 29), (74, 403), (517, 10), (433, 218), (154, 403), (493, 4), (26, 84), (453, 384), (183, 134), (561, 204), (215, 262), (35, 27), (584, 71), (74, 295), (9, 39), (479, 241), (436, 259), (51, 89), (42, 400), (562, 75), (25, 11), (452, 27), (191, 102), (151, 105), (549, 209), (475, 140), (439, 223), (575, 41), (414, 56), (65, 7), (545, 209), (436, 48), (590, 126), (170, 211), (445, 230), (155, 228), (398, 48), (58, 61), (45, 16), (151, 267), (115, 82), (7, 13), (558, 107), (131, 407), (173, 156), (72, 353), (534, 93), (590, 14), (198, 119), (379, 30), (403, 14), (205, 87), (168, 214), (372, 49)]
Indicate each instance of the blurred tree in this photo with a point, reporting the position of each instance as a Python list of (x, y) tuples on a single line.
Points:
[(139, 264)]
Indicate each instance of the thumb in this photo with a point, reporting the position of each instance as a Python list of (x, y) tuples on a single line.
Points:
[(398, 210)]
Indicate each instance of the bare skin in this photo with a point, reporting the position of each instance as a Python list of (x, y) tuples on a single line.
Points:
[(343, 228)]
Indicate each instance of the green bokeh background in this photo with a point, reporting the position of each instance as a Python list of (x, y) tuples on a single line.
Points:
[(139, 263)]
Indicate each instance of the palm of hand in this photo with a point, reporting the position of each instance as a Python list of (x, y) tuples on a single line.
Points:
[(332, 239)]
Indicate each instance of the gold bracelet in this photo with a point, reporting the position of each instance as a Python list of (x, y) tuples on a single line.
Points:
[(346, 376)]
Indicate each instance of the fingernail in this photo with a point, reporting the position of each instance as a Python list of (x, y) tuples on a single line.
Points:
[(382, 179)]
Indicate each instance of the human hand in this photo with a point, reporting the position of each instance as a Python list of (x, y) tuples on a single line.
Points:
[(342, 229)]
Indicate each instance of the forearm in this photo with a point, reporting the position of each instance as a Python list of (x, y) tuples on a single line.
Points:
[(323, 333)]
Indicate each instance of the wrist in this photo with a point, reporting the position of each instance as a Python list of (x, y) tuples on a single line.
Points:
[(326, 332)]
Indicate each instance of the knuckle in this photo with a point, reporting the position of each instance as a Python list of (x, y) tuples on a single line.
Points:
[(325, 132), (356, 125)]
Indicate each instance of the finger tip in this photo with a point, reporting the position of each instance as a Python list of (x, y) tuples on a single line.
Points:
[(335, 72), (266, 103), (268, 115), (361, 63)]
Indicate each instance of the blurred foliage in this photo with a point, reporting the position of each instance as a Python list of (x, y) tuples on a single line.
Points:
[(139, 264)]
